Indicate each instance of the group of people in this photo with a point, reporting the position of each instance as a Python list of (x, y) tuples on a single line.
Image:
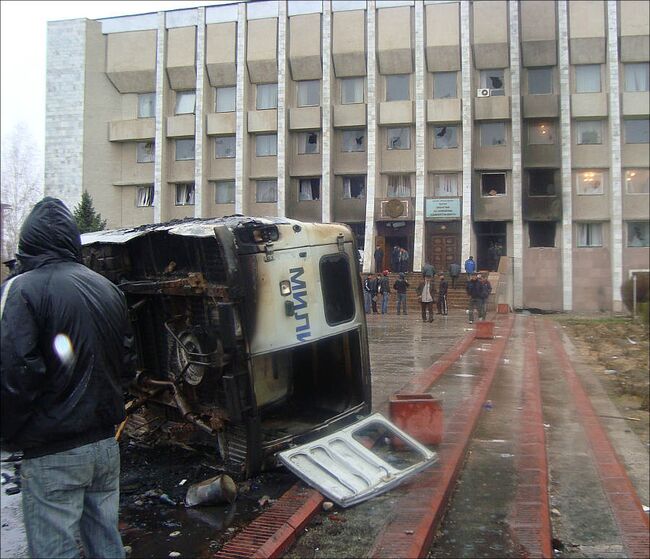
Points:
[(399, 259)]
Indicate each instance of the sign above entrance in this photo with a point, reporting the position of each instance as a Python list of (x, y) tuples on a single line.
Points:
[(442, 208)]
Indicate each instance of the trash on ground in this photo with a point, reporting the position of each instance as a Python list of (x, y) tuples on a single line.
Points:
[(265, 500), (488, 405), (556, 512), (175, 534), (218, 489), (182, 482), (611, 372), (327, 505), (632, 341), (174, 554), (164, 498), (645, 508)]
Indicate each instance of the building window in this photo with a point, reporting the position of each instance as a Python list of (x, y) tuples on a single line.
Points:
[(493, 80), (267, 96), (309, 93), (541, 234), (637, 181), (493, 184), (541, 182), (638, 233), (589, 132), (587, 78), (540, 81), (308, 143), (444, 85), (636, 76), (493, 133), (146, 105), (590, 235), (351, 91), (445, 185), (308, 190), (185, 194), (589, 183), (399, 186), (354, 187), (354, 140), (399, 138), (185, 102), (637, 130), (266, 145), (398, 87), (224, 147), (144, 196), (541, 133), (145, 152), (185, 149), (266, 191), (225, 99), (224, 192), (445, 137)]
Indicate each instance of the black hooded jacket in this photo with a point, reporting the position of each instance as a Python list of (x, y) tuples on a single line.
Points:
[(67, 344)]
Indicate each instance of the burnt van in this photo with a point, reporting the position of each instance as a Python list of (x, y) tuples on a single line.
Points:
[(250, 332)]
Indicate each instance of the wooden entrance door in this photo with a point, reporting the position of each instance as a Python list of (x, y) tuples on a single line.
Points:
[(442, 251)]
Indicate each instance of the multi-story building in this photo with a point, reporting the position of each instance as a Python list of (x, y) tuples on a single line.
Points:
[(442, 127)]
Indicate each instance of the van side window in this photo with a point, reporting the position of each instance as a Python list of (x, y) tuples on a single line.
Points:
[(338, 298)]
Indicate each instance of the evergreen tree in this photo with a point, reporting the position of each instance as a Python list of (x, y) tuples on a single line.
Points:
[(87, 218)]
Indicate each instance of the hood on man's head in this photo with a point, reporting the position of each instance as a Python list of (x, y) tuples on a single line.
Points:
[(49, 234)]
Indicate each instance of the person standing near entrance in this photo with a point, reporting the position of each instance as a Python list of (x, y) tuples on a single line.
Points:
[(394, 259), (454, 272), (442, 295), (367, 293), (428, 270), (425, 292), (403, 260), (470, 266), (383, 289), (485, 288), (474, 291), (400, 286), (379, 259)]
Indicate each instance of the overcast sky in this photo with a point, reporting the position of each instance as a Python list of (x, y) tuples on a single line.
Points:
[(23, 36)]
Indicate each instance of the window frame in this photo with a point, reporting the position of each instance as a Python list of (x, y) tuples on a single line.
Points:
[(396, 194), (191, 189), (626, 82), (310, 180), (580, 185), (388, 137), (578, 133), (396, 95), (257, 96), (150, 196), (483, 126), (531, 172), (580, 224), (258, 145), (302, 141), (143, 96), (627, 121), (486, 193), (436, 189), (217, 139), (453, 127), (636, 170), (179, 97), (333, 289), (141, 152), (646, 226), (307, 101), (351, 133), (344, 81), (537, 70), (580, 69), (222, 182), (234, 99), (361, 195), (186, 141), (537, 124), (258, 182), (484, 81), (539, 224), (435, 89)]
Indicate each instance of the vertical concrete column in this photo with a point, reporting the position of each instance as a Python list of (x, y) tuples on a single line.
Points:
[(161, 194), (371, 176), (326, 128), (200, 187), (515, 115), (282, 108), (616, 216), (466, 79), (565, 138), (420, 137), (240, 127)]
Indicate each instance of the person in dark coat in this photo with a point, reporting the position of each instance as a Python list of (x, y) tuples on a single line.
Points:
[(67, 356), (443, 287), (379, 259), (473, 289), (368, 287), (485, 288), (454, 272), (383, 290), (401, 286), (394, 259)]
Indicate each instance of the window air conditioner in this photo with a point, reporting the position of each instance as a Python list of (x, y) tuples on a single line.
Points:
[(483, 92)]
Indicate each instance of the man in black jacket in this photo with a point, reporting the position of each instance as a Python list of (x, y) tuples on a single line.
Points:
[(67, 354), (473, 288)]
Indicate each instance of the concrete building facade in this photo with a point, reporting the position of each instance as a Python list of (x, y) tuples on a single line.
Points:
[(444, 127)]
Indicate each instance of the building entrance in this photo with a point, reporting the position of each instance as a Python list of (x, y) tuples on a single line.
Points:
[(443, 245), (491, 244)]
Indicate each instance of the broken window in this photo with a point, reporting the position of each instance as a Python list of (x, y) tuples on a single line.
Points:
[(589, 183), (351, 91), (185, 102), (267, 96), (225, 99), (493, 80), (637, 181), (224, 147), (146, 105), (590, 235), (145, 152), (444, 85), (638, 233), (354, 187), (354, 140), (541, 234), (144, 196), (540, 133), (266, 191), (184, 149), (589, 132), (493, 133), (398, 87), (308, 189), (541, 182), (445, 185), (224, 192), (185, 194), (399, 138), (308, 143), (540, 81), (445, 137), (266, 145), (309, 93), (399, 186), (338, 299), (493, 184), (587, 78)]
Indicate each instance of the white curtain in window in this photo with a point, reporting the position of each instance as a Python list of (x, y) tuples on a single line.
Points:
[(146, 105), (305, 191), (309, 93), (588, 78), (144, 196), (347, 191), (351, 90), (224, 192), (185, 194), (267, 96), (225, 99), (266, 144), (399, 186), (446, 185), (185, 102), (309, 142), (590, 234), (267, 191), (636, 76)]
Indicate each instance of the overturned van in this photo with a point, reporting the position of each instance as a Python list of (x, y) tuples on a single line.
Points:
[(250, 332)]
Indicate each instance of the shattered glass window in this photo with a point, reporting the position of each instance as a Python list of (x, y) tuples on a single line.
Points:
[(185, 194), (337, 288), (399, 138), (354, 140), (445, 137), (308, 143), (493, 80)]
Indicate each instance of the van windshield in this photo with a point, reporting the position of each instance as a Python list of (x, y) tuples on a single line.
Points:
[(338, 297)]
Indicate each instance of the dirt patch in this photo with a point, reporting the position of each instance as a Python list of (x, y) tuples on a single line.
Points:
[(618, 348)]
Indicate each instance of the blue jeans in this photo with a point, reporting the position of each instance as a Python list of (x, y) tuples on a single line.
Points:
[(384, 302), (70, 493), (401, 302)]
